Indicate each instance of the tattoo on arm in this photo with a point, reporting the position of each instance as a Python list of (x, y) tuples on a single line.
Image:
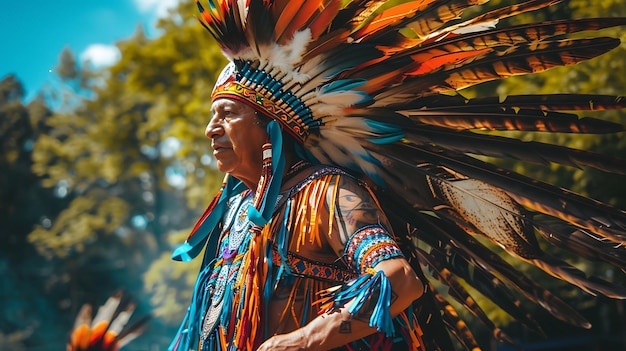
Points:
[(354, 208), (345, 327)]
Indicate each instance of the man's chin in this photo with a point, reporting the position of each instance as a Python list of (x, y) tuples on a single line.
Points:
[(224, 166)]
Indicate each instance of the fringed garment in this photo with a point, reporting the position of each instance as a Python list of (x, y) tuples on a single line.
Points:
[(229, 310)]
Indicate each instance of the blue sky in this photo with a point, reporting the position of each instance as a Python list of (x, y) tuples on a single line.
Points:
[(33, 33)]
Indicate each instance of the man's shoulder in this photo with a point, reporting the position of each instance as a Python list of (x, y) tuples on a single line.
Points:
[(313, 172)]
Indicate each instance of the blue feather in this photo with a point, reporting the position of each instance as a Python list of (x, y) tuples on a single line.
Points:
[(342, 85)]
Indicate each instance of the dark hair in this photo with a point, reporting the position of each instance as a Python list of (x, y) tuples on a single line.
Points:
[(262, 119)]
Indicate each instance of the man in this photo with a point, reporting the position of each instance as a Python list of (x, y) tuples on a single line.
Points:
[(238, 134), (324, 101), (325, 230)]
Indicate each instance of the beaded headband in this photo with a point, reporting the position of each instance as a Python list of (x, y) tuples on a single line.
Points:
[(267, 95)]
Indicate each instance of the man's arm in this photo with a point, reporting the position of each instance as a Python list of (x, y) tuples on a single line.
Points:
[(331, 330), (353, 208)]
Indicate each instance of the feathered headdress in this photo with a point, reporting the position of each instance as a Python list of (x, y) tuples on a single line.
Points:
[(372, 87)]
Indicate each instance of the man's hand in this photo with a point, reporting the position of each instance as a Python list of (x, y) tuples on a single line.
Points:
[(294, 341)]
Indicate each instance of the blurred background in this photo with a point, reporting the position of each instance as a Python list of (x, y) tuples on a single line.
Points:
[(104, 166)]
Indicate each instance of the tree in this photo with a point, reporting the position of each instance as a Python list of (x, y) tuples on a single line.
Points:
[(129, 156), (23, 203)]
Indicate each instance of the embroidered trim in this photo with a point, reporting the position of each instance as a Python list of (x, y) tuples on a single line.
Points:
[(369, 246), (267, 104), (326, 170), (303, 266)]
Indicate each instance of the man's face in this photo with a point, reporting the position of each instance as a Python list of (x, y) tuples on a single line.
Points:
[(237, 139)]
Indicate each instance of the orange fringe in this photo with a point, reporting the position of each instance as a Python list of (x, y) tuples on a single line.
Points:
[(246, 329), (309, 202)]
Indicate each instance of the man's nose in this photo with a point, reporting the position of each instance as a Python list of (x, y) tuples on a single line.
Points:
[(213, 129)]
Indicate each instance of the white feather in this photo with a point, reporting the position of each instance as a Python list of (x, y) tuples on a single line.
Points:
[(243, 11), (280, 58), (488, 208), (106, 311), (84, 316), (318, 72), (342, 98), (344, 148), (246, 55), (121, 320), (325, 110), (479, 27), (297, 48)]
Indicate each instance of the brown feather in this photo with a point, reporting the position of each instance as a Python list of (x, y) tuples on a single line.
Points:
[(531, 290), (538, 196), (508, 148), (456, 325), (525, 59), (460, 294)]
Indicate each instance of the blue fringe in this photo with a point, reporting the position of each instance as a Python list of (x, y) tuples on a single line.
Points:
[(360, 291), (282, 239), (190, 328), (194, 245)]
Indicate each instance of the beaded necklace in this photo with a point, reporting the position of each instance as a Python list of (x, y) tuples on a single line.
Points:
[(236, 233), (295, 168)]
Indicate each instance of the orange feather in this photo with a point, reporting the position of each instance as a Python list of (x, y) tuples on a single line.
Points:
[(307, 11), (286, 18), (392, 16), (322, 21), (431, 64), (98, 332), (80, 336)]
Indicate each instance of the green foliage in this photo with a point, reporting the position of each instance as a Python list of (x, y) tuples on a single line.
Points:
[(79, 223), (128, 155), (112, 151), (24, 276), (15, 125), (67, 69), (167, 294)]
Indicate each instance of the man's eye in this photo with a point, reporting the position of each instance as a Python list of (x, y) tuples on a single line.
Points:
[(350, 198)]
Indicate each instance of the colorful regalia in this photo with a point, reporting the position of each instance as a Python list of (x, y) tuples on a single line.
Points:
[(229, 288), (372, 90)]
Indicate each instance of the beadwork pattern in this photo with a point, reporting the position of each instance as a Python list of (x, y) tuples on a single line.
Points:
[(369, 246), (303, 266), (283, 111)]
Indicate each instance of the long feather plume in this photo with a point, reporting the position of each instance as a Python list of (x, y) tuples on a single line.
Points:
[(380, 83)]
